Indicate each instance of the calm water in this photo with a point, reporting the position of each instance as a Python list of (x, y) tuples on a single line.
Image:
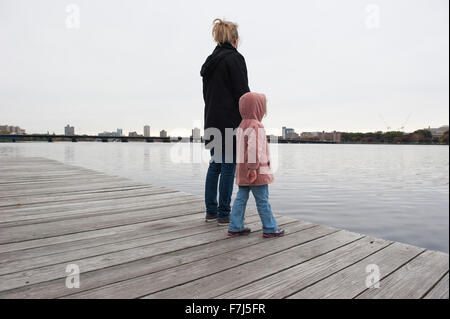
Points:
[(396, 192)]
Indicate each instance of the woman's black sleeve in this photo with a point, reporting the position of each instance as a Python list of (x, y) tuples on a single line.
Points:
[(238, 74)]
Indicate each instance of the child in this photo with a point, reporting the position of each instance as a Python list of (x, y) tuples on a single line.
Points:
[(253, 172)]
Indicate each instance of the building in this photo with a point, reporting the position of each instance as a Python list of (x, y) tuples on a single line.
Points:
[(119, 132), (69, 130), (438, 132), (133, 134), (330, 137), (147, 130), (309, 135), (11, 129), (109, 134), (196, 134), (163, 134), (288, 133)]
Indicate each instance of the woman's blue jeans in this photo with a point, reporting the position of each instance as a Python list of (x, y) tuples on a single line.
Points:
[(224, 171), (261, 194)]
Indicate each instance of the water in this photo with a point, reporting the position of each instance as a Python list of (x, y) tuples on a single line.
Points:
[(396, 192)]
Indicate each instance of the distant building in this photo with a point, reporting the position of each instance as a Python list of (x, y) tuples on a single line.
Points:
[(119, 132), (330, 137), (288, 133), (110, 134), (69, 130), (147, 130), (11, 129), (163, 133), (310, 135), (438, 132), (196, 134), (133, 134)]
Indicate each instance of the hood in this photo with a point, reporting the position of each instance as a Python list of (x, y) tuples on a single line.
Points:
[(219, 53), (252, 106)]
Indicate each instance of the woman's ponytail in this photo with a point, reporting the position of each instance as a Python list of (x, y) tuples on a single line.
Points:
[(224, 31)]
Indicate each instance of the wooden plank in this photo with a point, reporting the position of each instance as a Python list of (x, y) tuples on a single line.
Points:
[(44, 230), (55, 271), (32, 211), (40, 184), (234, 277), (140, 204), (215, 244), (92, 205), (97, 200), (285, 283), (440, 291), (413, 280), (153, 232), (351, 281), (28, 201), (137, 287), (188, 208), (86, 188), (123, 233)]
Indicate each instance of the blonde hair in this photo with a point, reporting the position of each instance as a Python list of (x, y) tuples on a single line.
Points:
[(224, 31)]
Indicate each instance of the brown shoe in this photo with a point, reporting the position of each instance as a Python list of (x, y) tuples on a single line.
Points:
[(210, 218), (223, 222)]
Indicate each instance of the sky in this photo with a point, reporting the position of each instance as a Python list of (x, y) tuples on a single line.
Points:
[(99, 65)]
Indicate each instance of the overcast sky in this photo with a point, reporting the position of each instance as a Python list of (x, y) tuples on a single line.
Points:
[(324, 65)]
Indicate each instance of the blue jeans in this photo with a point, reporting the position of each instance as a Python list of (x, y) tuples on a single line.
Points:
[(226, 172), (261, 194)]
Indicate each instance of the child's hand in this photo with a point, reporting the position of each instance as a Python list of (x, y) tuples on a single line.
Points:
[(252, 175)]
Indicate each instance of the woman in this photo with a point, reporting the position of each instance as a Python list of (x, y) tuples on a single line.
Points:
[(224, 82)]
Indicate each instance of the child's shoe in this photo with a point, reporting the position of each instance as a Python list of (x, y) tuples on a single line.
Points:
[(243, 232), (279, 233)]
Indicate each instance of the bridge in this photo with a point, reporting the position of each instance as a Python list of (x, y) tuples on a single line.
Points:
[(76, 138)]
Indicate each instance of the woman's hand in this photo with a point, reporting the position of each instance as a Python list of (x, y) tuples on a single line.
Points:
[(252, 175)]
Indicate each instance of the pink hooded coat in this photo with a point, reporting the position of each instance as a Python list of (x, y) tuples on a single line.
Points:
[(252, 146)]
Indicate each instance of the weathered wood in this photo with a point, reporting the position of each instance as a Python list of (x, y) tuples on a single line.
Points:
[(133, 240), (282, 258), (51, 229), (440, 291), (351, 281), (149, 200), (414, 279), (216, 244), (70, 197), (54, 271), (190, 226), (217, 264), (286, 283)]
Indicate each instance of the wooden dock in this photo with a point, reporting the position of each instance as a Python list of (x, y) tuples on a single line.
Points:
[(133, 240)]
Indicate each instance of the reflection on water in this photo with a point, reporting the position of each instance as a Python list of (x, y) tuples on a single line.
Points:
[(396, 192)]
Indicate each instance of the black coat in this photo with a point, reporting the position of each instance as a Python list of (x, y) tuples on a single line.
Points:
[(224, 82)]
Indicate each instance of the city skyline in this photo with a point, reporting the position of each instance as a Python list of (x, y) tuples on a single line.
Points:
[(322, 65), (197, 133)]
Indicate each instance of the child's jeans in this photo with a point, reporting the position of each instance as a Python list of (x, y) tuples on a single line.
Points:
[(261, 194)]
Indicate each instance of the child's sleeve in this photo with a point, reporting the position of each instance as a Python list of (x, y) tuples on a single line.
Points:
[(252, 150)]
